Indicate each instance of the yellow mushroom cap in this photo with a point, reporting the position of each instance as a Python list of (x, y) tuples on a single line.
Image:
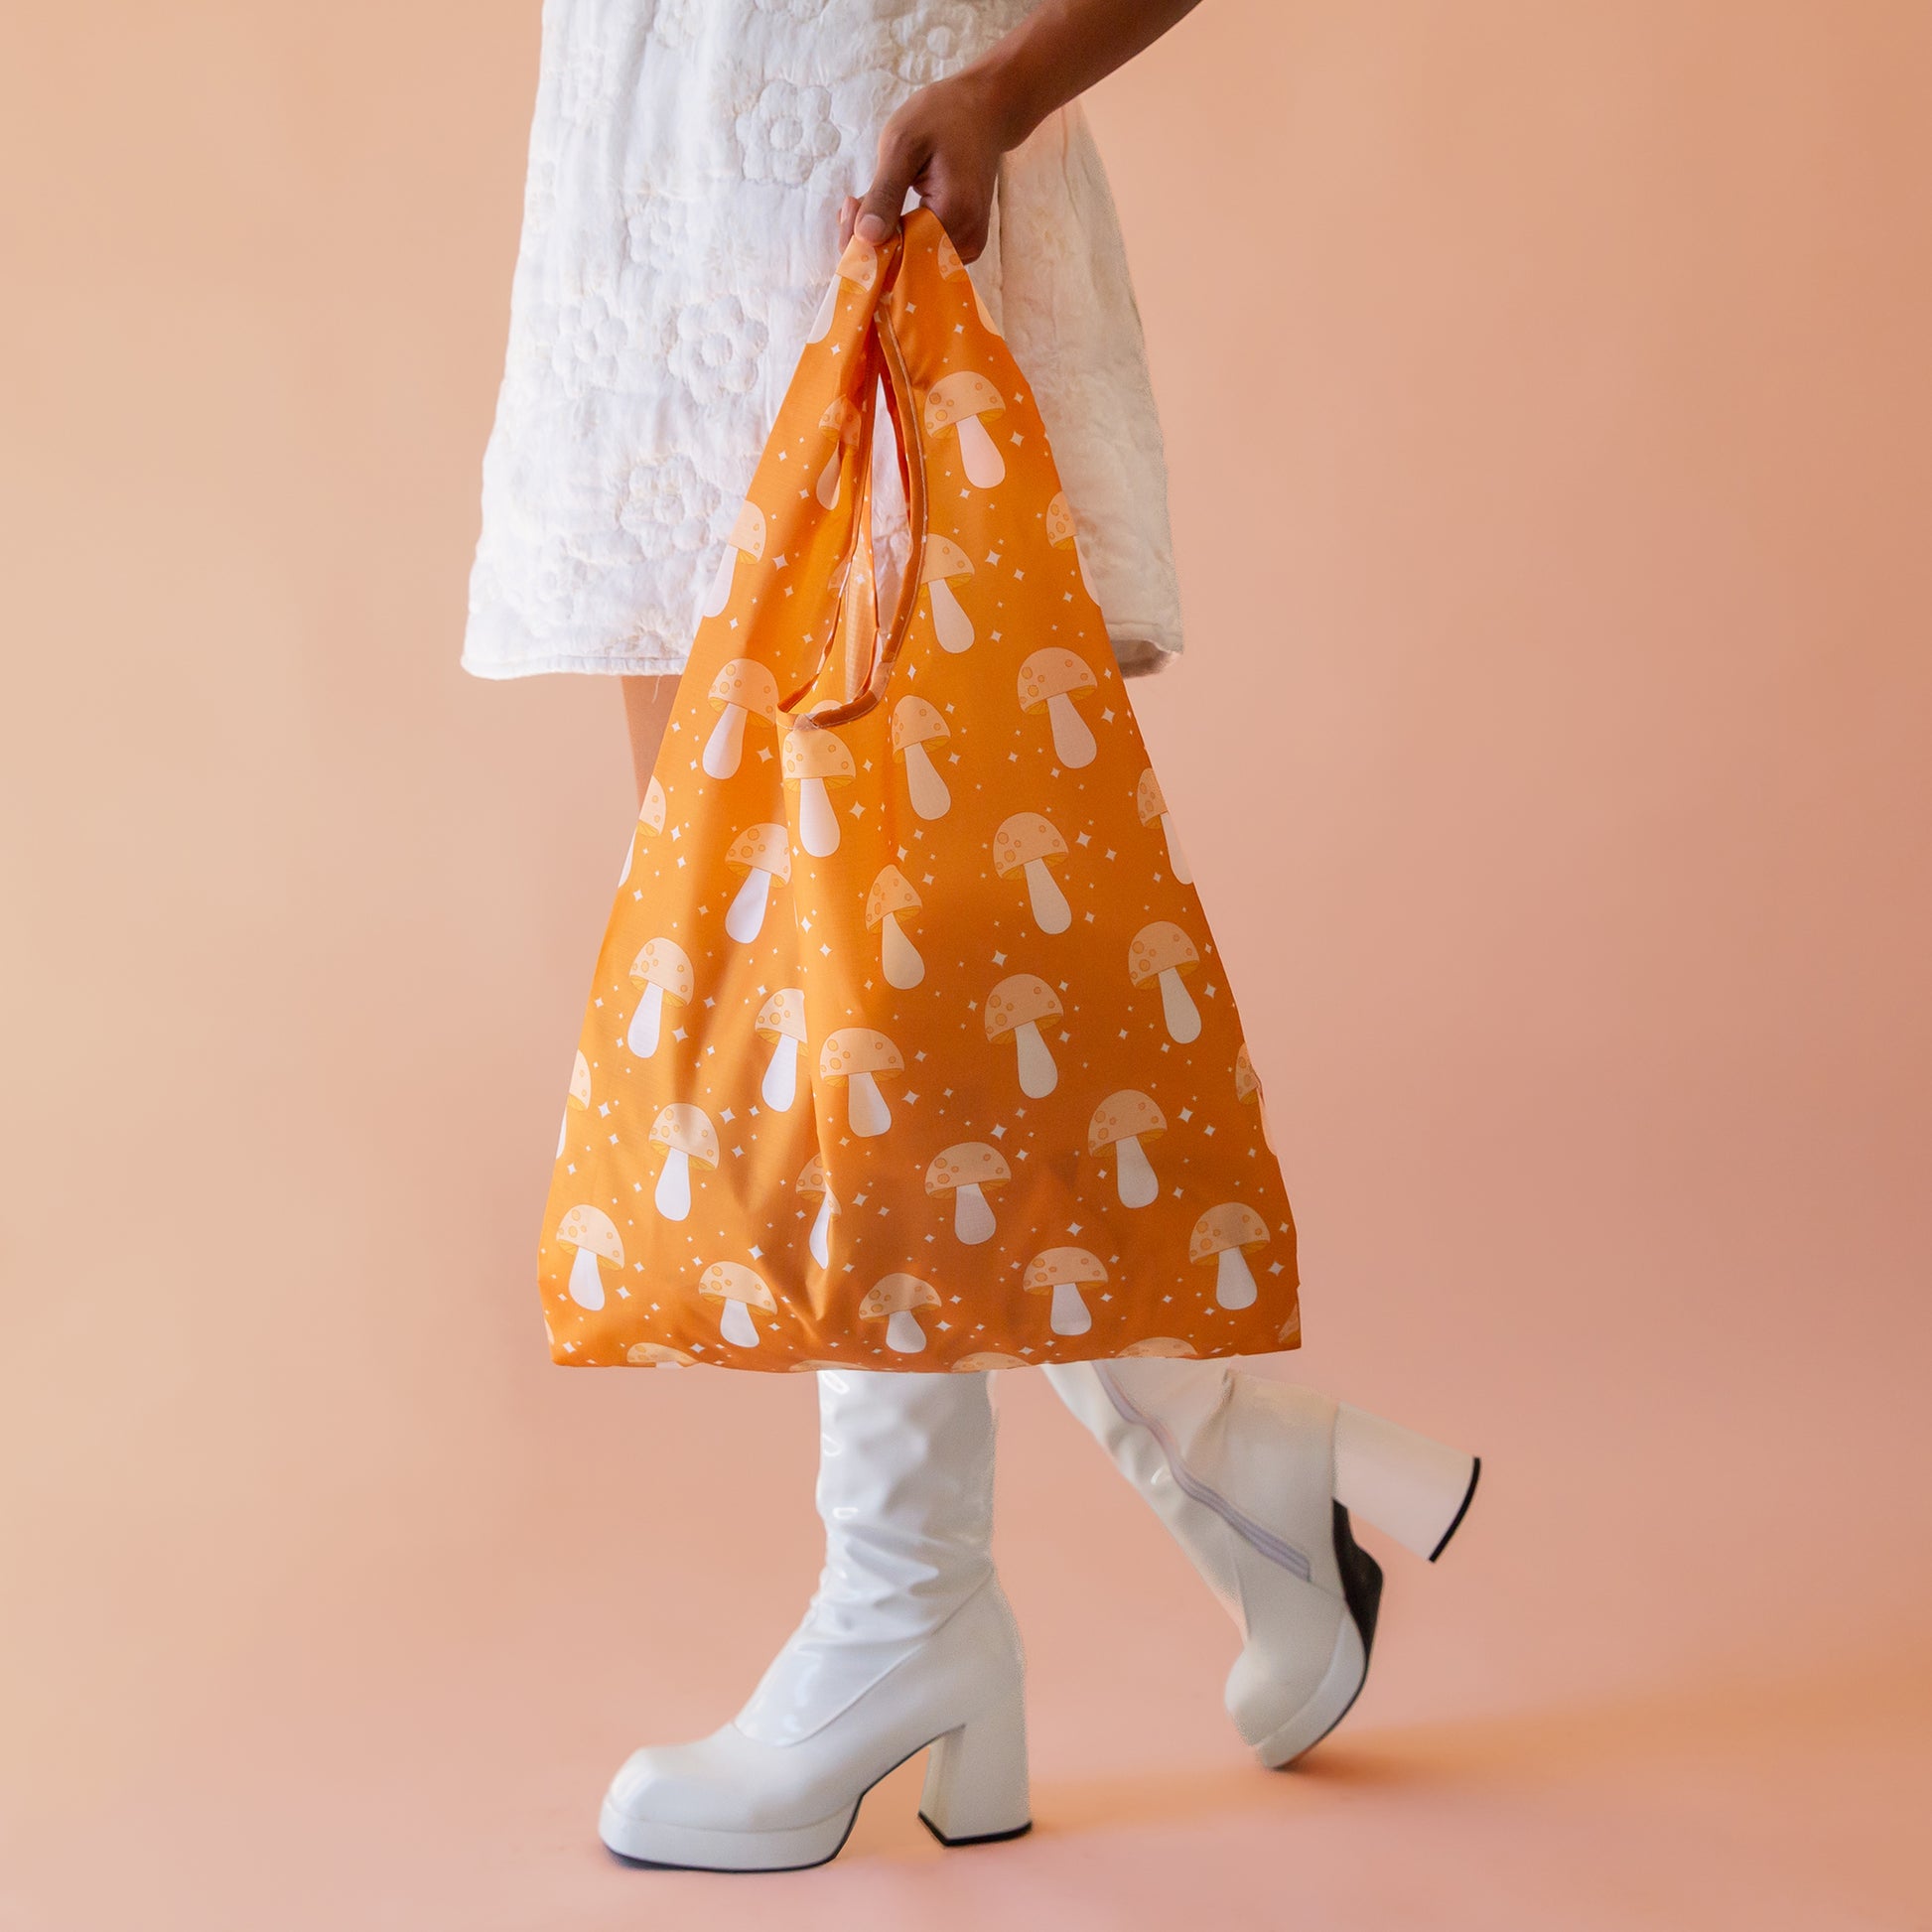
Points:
[(1234, 1225), (1122, 1115), (1166, 1347), (812, 752), (1148, 798), (1059, 522), (1021, 838), (688, 1129), (589, 1227), (1247, 1083), (860, 263), (858, 1049), (812, 1364), (657, 1355), (915, 722), (1018, 999), (970, 1163), (947, 257), (890, 893), (841, 416), (747, 682), (812, 1176), (580, 1080), (651, 811), (748, 534), (729, 1281), (1160, 948), (1054, 672), (1055, 1267), (943, 558), (965, 392), (985, 1360), (895, 1295), (662, 962), (783, 1015), (767, 847)]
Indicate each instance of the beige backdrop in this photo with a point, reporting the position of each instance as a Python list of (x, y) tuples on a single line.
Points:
[(1551, 449)]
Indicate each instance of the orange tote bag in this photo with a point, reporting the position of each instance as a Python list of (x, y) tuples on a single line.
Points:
[(909, 1045)]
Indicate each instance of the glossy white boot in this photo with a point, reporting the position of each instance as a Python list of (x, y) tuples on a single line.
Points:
[(909, 1643), (1256, 1479)]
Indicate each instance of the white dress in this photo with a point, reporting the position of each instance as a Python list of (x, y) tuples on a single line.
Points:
[(687, 160)]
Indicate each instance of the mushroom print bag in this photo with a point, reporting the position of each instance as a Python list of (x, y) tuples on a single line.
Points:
[(908, 1047)]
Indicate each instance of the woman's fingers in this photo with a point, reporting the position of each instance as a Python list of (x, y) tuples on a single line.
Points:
[(847, 213), (900, 162)]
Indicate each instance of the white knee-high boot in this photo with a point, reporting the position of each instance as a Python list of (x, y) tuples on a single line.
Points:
[(1255, 1479), (909, 1642)]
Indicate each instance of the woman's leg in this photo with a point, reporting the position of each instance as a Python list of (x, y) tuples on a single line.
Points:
[(647, 709)]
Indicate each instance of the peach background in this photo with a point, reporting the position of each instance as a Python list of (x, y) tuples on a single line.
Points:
[(1554, 755)]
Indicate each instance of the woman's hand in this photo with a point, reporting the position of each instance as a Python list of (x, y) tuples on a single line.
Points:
[(947, 139)]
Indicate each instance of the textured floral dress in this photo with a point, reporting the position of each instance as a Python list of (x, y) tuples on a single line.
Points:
[(687, 160)]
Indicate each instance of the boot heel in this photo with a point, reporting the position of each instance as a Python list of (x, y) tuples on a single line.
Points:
[(1408, 1486), (976, 1779)]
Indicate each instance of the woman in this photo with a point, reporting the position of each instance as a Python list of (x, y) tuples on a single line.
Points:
[(682, 222)]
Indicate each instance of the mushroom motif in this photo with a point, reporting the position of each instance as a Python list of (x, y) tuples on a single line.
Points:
[(1161, 1348), (1063, 1271), (748, 536), (844, 422), (577, 1097), (893, 1299), (664, 973), (987, 1359), (960, 400), (1017, 1006), (1153, 804), (740, 1291), (1220, 1235), (1057, 679), (858, 1056), (812, 1185), (743, 687), (1028, 839), (1289, 1332), (686, 1134), (1063, 535), (915, 725), (965, 1172), (815, 758), (1123, 1120), (1247, 1087), (1161, 950), (657, 1355), (949, 266), (892, 897), (943, 560), (591, 1232), (859, 265), (651, 815), (781, 1023), (761, 853)]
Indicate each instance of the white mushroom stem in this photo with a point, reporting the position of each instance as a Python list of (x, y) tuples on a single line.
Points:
[(585, 1284), (1133, 1176), (735, 1323), (818, 823), (725, 745), (1086, 582), (1039, 1076), (780, 1087), (923, 784), (951, 624), (865, 1106), (673, 1195), (1069, 1316), (899, 958), (972, 1218), (1234, 1285), (828, 478), (630, 853), (1052, 913), (1176, 858), (1072, 741), (985, 467), (821, 1241), (822, 319), (903, 1331), (1179, 1009), (720, 591), (646, 1022), (747, 912), (563, 1135)]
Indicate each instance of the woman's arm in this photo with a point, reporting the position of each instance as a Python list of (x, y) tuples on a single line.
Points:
[(947, 139)]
